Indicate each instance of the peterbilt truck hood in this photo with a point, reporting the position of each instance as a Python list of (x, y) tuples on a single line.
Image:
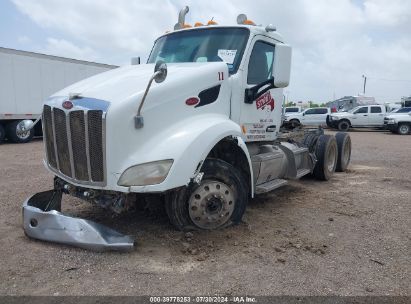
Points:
[(119, 84)]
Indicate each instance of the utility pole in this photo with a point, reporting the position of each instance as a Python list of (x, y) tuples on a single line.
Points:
[(365, 83)]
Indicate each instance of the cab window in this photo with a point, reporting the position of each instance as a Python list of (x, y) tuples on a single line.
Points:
[(321, 111), (361, 110), (376, 110), (261, 63), (310, 111)]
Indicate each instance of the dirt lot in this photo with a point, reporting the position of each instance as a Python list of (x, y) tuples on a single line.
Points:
[(348, 236)]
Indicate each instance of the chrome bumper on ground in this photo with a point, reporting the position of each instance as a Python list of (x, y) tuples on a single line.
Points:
[(42, 220)]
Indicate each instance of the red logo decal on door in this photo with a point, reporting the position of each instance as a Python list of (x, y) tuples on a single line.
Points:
[(265, 100)]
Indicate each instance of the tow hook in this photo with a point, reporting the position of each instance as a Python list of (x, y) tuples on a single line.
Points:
[(43, 220)]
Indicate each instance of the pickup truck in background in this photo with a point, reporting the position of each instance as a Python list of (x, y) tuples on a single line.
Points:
[(358, 117), (399, 122), (308, 117)]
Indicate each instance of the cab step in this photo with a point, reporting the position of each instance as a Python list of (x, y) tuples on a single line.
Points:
[(271, 185), (302, 172)]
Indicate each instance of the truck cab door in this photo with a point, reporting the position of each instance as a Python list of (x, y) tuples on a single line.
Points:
[(376, 117), (260, 117), (360, 117), (310, 117)]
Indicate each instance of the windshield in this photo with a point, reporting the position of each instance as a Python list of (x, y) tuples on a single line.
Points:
[(402, 110), (202, 45)]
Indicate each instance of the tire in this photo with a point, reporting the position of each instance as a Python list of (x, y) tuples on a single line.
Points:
[(11, 132), (2, 133), (343, 125), (326, 152), (218, 201), (403, 129), (344, 151), (294, 123), (310, 141)]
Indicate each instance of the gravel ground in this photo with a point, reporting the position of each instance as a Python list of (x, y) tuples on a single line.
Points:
[(348, 236)]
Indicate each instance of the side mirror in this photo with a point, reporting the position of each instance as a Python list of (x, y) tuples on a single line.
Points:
[(160, 71), (303, 113), (282, 65)]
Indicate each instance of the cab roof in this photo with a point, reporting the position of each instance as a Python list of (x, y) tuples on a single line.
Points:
[(254, 30)]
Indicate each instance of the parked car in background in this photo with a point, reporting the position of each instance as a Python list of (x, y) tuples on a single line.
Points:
[(399, 122), (308, 117), (359, 117)]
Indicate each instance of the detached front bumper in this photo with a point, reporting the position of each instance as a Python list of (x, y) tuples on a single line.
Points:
[(43, 220)]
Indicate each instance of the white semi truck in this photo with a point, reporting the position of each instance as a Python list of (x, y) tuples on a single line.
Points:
[(201, 132), (27, 79)]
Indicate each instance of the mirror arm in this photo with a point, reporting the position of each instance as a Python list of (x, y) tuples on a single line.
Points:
[(253, 93), (138, 119), (146, 92)]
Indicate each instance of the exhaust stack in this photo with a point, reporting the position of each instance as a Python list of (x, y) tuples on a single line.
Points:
[(181, 18)]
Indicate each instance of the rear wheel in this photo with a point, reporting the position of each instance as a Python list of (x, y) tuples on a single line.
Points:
[(327, 153), (14, 136), (403, 129), (2, 133), (218, 201), (343, 125), (344, 151)]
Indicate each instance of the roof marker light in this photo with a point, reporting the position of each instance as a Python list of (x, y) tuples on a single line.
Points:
[(212, 22), (198, 24)]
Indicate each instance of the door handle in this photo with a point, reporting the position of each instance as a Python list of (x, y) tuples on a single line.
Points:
[(271, 129), (365, 115)]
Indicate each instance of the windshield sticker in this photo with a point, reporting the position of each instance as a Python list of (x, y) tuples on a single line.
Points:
[(227, 55)]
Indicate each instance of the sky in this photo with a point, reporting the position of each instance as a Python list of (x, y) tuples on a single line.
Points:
[(335, 42)]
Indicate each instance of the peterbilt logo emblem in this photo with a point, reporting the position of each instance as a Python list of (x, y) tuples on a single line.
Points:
[(67, 105)]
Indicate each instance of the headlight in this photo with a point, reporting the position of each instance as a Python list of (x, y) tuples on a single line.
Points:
[(146, 174)]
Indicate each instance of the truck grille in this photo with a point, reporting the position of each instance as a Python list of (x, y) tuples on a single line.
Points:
[(74, 143)]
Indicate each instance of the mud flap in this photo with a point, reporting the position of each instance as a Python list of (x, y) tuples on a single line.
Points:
[(43, 220)]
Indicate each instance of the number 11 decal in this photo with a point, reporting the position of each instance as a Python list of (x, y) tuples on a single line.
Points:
[(220, 75)]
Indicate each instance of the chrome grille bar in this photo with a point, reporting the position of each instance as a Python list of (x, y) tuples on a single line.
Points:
[(74, 142)]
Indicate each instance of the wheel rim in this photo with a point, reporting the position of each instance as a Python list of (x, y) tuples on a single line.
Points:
[(24, 135), (344, 126), (211, 204), (331, 158), (346, 153), (403, 129)]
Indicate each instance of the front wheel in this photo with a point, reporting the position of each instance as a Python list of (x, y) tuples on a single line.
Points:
[(218, 201), (343, 125), (403, 129)]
